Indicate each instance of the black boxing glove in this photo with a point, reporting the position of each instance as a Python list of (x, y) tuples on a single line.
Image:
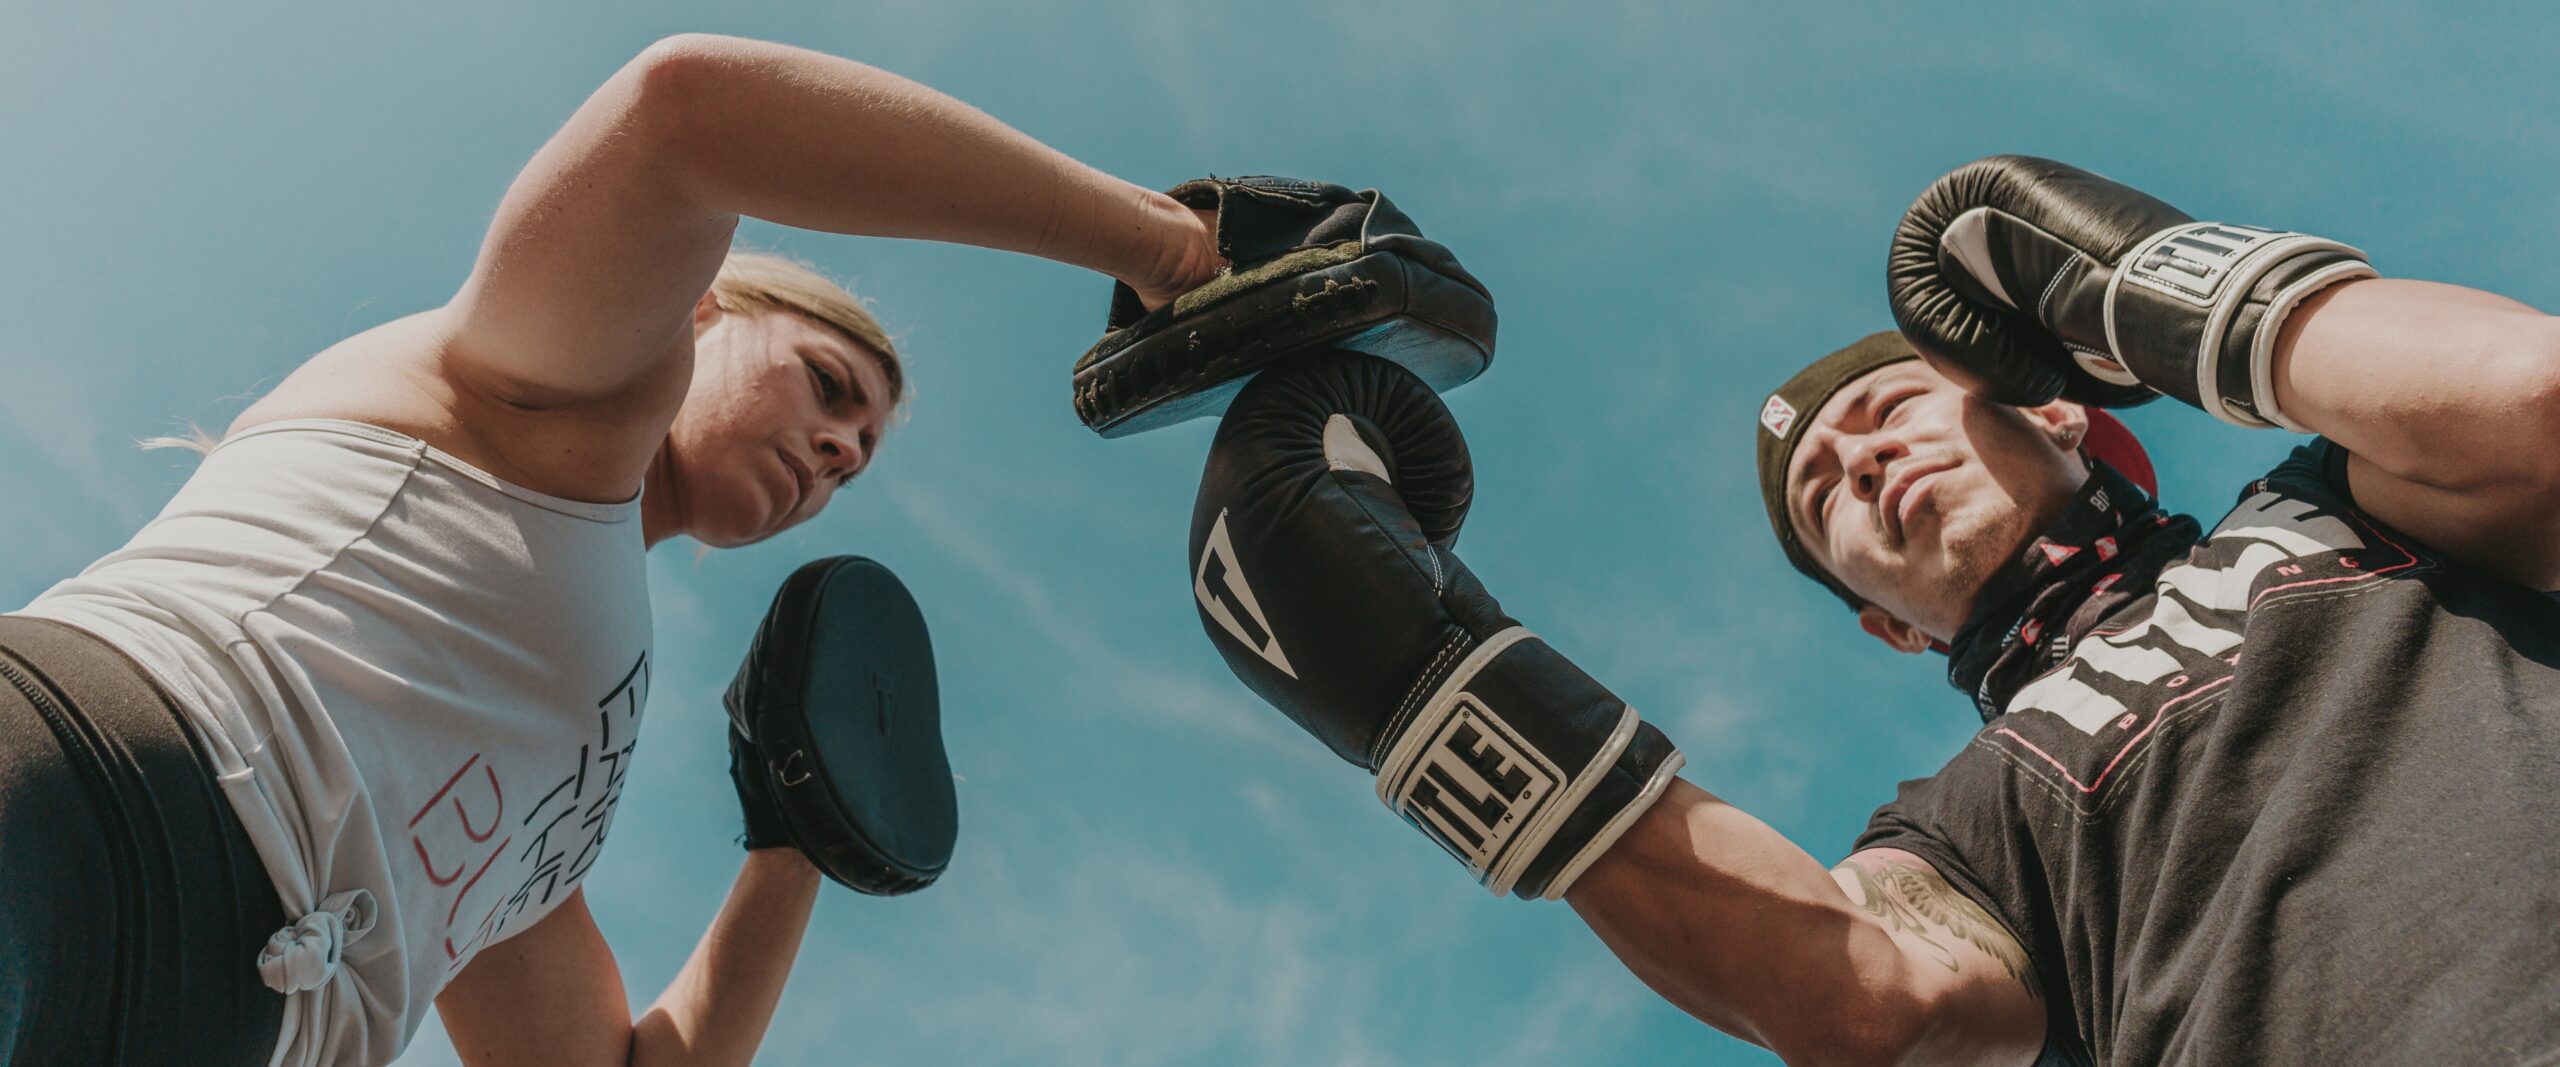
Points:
[(2024, 279), (1322, 571)]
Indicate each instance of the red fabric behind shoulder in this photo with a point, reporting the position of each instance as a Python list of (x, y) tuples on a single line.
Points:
[(2114, 445)]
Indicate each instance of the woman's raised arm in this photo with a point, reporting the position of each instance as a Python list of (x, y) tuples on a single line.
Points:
[(591, 268)]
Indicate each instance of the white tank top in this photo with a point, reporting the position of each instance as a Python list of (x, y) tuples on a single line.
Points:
[(419, 686)]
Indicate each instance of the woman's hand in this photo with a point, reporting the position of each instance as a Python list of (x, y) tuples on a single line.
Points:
[(1186, 256)]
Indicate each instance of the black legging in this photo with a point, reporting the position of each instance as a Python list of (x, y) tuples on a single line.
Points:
[(132, 906)]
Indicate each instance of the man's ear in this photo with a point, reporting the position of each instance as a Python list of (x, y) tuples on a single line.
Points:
[(1899, 635), (2066, 423), (705, 311)]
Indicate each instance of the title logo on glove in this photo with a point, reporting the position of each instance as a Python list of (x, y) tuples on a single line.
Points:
[(2191, 261), (1475, 785)]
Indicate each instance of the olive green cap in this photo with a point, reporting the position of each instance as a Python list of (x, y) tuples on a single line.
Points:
[(1784, 419)]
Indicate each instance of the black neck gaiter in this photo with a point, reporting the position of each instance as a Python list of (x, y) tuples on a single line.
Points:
[(2108, 546)]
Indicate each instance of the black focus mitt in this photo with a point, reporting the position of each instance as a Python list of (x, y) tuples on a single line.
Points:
[(1313, 265), (837, 730)]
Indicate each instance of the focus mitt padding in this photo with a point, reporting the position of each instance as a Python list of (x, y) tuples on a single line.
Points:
[(1313, 264), (838, 694)]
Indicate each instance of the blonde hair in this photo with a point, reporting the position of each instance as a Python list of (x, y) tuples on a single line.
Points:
[(763, 281), (748, 281), (194, 440)]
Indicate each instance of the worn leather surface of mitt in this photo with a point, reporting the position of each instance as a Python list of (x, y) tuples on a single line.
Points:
[(1314, 265)]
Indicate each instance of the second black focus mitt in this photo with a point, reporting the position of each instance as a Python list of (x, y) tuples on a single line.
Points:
[(836, 731)]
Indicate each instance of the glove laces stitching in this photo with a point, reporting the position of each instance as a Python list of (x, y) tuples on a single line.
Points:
[(1413, 695), (2051, 286), (1385, 529)]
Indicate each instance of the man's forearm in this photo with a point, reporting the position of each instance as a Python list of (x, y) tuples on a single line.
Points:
[(1737, 926), (1722, 916), (820, 142), (716, 1010), (2436, 384)]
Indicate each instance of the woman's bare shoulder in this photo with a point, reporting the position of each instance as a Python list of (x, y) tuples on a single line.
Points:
[(394, 376)]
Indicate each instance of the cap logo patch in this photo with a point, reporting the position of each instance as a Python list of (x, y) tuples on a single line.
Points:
[(1777, 415)]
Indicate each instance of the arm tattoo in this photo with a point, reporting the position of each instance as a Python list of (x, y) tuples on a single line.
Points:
[(1917, 901)]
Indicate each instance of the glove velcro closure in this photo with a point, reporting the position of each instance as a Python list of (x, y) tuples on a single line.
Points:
[(1315, 265), (1524, 767), (2195, 309)]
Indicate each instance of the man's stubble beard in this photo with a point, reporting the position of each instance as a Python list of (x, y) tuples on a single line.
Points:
[(1975, 544)]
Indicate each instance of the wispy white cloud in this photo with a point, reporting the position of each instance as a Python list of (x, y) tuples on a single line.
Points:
[(1579, 1014), (1141, 958), (1216, 703), (52, 417)]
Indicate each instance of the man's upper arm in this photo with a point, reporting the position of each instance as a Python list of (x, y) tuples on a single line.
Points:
[(548, 997), (2448, 400), (1989, 1006), (586, 282), (2515, 535)]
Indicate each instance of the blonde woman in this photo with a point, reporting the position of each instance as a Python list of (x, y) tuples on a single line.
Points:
[(337, 736)]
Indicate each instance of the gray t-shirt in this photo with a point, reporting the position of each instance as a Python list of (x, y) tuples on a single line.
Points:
[(2284, 795)]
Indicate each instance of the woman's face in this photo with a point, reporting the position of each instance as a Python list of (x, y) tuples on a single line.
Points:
[(781, 413)]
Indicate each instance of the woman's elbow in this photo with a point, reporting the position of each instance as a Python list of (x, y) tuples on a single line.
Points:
[(663, 104), (677, 53), (678, 69)]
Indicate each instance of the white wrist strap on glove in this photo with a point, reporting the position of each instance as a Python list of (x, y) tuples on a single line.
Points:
[(1475, 784)]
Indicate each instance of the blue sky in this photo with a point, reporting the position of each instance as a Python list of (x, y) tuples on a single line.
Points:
[(1675, 205)]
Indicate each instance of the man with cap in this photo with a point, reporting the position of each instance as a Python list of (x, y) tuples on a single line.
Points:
[(2275, 793)]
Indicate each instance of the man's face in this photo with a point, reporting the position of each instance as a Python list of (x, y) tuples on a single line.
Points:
[(1913, 492)]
